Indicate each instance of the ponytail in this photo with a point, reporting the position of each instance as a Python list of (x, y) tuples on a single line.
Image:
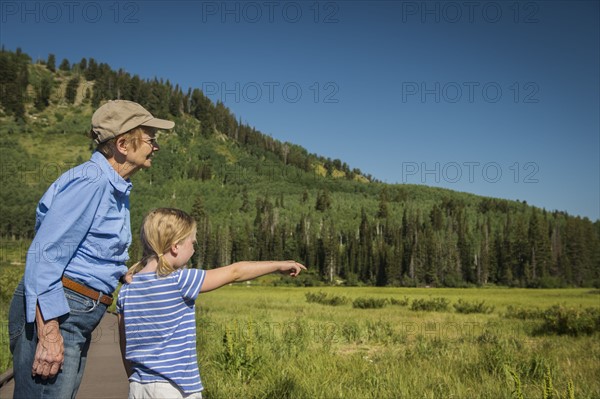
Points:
[(161, 229), (164, 268)]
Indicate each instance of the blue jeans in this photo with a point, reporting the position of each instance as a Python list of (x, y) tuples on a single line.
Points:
[(76, 328)]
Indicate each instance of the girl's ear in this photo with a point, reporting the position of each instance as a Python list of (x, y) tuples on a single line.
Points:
[(174, 249)]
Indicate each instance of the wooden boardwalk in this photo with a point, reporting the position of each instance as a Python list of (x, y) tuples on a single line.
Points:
[(104, 376)]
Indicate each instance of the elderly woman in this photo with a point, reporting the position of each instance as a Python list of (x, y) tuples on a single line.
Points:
[(78, 254)]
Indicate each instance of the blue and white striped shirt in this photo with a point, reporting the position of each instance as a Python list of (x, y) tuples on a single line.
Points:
[(160, 327)]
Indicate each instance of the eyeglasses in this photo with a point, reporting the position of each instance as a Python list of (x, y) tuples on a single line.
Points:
[(151, 141)]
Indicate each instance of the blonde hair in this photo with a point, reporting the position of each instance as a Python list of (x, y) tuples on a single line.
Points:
[(133, 136), (161, 229)]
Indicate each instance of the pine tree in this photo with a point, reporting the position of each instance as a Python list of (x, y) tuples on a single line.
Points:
[(521, 252), (574, 251), (330, 246), (65, 65), (71, 90), (365, 249), (92, 70), (51, 63), (42, 99), (436, 217), (305, 196), (485, 261), (383, 204), (323, 201), (245, 201), (504, 250), (14, 79), (202, 232), (465, 247)]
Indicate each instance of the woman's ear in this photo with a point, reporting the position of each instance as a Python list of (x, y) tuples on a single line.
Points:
[(121, 145)]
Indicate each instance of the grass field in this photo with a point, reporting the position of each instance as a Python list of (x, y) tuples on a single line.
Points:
[(270, 342)]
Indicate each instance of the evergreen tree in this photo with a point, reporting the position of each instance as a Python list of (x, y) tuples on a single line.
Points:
[(330, 246), (71, 90), (574, 251), (14, 78), (305, 196), (323, 201), (484, 264), (365, 249), (539, 244), (520, 253), (91, 72), (176, 102), (245, 201), (203, 233), (51, 63), (42, 99), (383, 204), (436, 217), (65, 65), (504, 250)]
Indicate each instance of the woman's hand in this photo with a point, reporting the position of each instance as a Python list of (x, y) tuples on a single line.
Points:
[(49, 353)]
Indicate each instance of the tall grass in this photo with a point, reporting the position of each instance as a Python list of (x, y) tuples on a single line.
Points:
[(270, 342), (300, 350), (10, 275)]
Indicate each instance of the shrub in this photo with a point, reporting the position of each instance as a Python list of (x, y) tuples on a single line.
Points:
[(570, 321), (513, 312), (326, 299), (551, 282), (369, 303), (472, 307), (430, 305), (401, 302), (303, 280)]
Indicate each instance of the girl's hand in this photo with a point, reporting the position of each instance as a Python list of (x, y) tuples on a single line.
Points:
[(291, 267)]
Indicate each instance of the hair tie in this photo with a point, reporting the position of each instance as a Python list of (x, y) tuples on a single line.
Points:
[(159, 255)]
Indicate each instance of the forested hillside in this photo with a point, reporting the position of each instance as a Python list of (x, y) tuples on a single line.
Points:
[(255, 197)]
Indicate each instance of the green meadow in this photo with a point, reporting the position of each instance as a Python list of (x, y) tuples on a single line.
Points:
[(260, 341), (269, 342)]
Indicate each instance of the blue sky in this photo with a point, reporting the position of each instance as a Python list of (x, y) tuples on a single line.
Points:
[(496, 98)]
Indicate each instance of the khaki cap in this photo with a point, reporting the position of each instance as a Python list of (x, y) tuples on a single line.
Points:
[(120, 116)]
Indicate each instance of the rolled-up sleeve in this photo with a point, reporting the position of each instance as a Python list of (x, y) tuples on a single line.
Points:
[(69, 211)]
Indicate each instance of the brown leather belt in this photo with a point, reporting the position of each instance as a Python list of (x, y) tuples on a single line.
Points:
[(83, 290)]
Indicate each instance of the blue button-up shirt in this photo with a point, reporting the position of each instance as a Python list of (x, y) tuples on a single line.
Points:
[(82, 230)]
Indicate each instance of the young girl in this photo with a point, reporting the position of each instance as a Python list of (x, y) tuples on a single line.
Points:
[(157, 325)]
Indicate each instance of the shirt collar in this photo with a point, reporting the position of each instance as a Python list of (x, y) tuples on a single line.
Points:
[(121, 185)]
